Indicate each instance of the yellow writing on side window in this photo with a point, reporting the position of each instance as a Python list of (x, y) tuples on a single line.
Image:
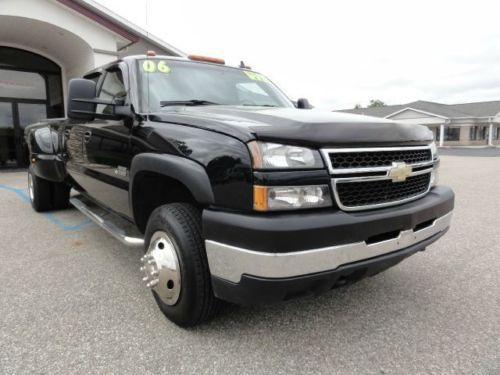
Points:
[(151, 66), (255, 76)]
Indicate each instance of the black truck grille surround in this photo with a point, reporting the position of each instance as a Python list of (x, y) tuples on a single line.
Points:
[(364, 193), (370, 159), (370, 178)]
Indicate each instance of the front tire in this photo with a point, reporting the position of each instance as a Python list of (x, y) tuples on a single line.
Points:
[(176, 266)]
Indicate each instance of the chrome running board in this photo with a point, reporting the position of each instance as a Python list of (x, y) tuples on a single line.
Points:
[(120, 228)]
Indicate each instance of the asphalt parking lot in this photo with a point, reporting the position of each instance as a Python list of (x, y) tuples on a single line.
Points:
[(72, 301)]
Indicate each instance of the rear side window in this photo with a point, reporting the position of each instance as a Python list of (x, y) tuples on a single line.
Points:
[(112, 88)]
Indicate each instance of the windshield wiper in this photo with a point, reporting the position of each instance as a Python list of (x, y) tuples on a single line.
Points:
[(193, 102)]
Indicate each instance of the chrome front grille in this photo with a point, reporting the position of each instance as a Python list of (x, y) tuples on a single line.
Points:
[(369, 159), (370, 192), (364, 178)]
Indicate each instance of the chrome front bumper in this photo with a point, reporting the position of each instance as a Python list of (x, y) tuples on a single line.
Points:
[(230, 263)]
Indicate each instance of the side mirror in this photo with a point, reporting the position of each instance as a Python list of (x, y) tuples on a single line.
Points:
[(82, 103), (79, 91), (303, 103)]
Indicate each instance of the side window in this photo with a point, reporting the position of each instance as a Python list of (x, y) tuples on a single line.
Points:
[(112, 88)]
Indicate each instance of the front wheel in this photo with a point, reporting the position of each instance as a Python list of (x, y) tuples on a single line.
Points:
[(175, 265)]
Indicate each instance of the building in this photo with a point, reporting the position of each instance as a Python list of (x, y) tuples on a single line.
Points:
[(43, 44), (468, 124)]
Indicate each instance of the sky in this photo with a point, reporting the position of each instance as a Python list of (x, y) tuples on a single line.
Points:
[(341, 53)]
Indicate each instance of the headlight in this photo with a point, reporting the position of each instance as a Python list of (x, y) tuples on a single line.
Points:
[(435, 177), (271, 198), (435, 170), (434, 151), (435, 173), (276, 156)]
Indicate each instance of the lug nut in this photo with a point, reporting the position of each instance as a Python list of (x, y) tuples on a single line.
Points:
[(151, 261), (152, 283), (145, 278)]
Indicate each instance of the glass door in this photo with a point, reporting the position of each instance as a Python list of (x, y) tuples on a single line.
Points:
[(30, 113), (7, 144), (15, 116), (27, 114), (26, 94), (30, 91)]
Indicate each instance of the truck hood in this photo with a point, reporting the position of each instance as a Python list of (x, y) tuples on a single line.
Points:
[(296, 126)]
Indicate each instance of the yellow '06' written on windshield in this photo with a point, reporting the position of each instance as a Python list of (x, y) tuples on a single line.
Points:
[(151, 66)]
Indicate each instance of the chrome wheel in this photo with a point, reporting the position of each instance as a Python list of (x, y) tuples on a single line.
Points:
[(30, 186), (161, 268)]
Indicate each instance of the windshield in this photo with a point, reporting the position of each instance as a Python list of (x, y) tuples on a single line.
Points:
[(169, 82)]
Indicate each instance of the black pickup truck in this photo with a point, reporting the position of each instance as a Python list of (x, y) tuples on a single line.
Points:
[(235, 192)]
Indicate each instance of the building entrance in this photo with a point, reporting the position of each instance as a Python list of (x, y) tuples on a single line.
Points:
[(30, 90)]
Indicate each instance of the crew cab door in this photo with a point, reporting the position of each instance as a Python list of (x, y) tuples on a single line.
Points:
[(105, 159)]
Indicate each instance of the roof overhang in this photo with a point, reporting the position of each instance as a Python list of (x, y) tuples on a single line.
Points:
[(117, 24)]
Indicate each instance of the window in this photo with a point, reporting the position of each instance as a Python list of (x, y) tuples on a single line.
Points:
[(497, 133), (112, 89), (56, 103), (478, 133), (451, 134), (13, 58), (22, 85), (31, 78), (6, 117), (29, 113)]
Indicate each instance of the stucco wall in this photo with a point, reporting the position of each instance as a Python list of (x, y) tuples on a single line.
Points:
[(55, 13)]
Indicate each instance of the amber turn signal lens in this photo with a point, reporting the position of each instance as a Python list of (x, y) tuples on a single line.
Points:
[(260, 198)]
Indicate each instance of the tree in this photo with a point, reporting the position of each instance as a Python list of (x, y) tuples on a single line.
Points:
[(357, 106), (376, 103)]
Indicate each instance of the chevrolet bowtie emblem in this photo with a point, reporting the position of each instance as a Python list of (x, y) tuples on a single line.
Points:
[(399, 171)]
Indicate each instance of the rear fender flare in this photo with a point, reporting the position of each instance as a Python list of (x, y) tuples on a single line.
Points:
[(45, 154)]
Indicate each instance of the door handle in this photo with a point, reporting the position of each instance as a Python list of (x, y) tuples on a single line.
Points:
[(87, 135)]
